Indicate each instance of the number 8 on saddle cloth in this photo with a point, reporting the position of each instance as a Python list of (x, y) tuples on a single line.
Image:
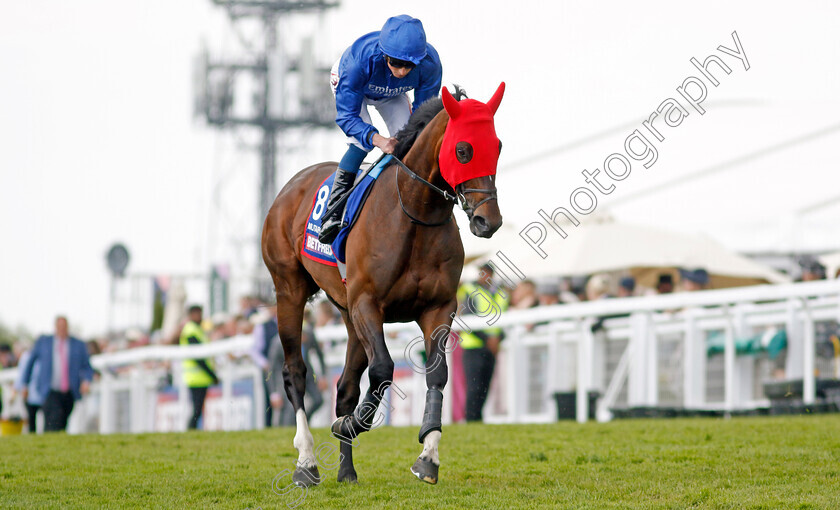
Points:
[(334, 254)]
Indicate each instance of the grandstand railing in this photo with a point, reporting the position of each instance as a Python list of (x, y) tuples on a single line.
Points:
[(547, 349)]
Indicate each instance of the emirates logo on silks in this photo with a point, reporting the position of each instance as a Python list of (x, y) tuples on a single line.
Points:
[(470, 147)]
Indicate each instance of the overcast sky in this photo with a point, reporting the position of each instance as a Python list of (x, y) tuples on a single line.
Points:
[(98, 143)]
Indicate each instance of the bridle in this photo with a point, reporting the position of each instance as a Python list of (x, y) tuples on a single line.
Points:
[(492, 194), (458, 198)]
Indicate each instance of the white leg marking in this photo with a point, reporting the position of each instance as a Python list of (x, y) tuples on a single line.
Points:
[(430, 447), (304, 441)]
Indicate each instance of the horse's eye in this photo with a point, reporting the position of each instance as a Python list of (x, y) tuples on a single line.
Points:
[(500, 146), (464, 152)]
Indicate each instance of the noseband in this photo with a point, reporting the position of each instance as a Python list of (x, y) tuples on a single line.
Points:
[(492, 194)]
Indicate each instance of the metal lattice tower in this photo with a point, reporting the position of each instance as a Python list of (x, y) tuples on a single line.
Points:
[(274, 108)]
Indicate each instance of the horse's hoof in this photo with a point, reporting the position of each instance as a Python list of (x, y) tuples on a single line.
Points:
[(347, 477), (306, 477), (425, 471)]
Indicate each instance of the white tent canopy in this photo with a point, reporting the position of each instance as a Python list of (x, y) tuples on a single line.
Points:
[(642, 251)]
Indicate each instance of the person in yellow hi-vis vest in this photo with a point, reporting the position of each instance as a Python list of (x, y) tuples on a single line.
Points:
[(484, 299), (198, 373)]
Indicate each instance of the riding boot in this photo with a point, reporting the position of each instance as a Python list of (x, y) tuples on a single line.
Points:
[(332, 223)]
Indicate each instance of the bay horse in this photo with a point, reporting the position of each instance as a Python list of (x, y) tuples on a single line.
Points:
[(402, 266)]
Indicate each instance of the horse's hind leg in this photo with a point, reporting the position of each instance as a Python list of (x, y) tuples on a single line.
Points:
[(293, 288), (348, 392), (435, 324)]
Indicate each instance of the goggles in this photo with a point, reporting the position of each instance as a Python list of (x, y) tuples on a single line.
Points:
[(400, 64)]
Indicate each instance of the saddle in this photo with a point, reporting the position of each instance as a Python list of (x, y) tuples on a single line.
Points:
[(335, 254)]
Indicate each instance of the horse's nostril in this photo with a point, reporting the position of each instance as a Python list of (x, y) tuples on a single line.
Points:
[(480, 223)]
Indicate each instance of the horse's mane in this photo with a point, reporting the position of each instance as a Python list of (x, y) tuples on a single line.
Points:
[(419, 120)]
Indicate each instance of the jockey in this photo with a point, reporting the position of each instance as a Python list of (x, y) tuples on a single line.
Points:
[(378, 69)]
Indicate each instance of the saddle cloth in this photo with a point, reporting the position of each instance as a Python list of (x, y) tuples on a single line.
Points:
[(330, 254)]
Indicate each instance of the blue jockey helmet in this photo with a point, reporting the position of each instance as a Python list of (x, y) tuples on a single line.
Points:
[(402, 37)]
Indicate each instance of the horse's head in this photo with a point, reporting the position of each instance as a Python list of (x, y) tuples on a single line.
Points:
[(468, 156)]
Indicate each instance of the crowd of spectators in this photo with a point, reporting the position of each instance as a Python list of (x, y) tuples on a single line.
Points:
[(549, 291), (531, 293), (255, 317), (527, 294)]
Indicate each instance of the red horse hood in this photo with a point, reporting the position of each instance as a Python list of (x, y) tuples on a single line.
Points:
[(470, 121)]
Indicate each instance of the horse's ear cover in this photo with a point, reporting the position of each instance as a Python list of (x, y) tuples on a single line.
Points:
[(470, 121), (450, 104), (497, 98)]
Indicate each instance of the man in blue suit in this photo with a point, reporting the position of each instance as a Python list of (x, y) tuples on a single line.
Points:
[(64, 377)]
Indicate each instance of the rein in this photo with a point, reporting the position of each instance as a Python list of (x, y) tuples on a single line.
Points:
[(455, 199), (414, 176)]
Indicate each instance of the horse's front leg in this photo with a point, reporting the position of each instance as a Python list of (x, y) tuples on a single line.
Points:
[(366, 317), (435, 324)]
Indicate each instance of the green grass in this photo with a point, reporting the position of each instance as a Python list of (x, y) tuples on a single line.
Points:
[(784, 462)]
